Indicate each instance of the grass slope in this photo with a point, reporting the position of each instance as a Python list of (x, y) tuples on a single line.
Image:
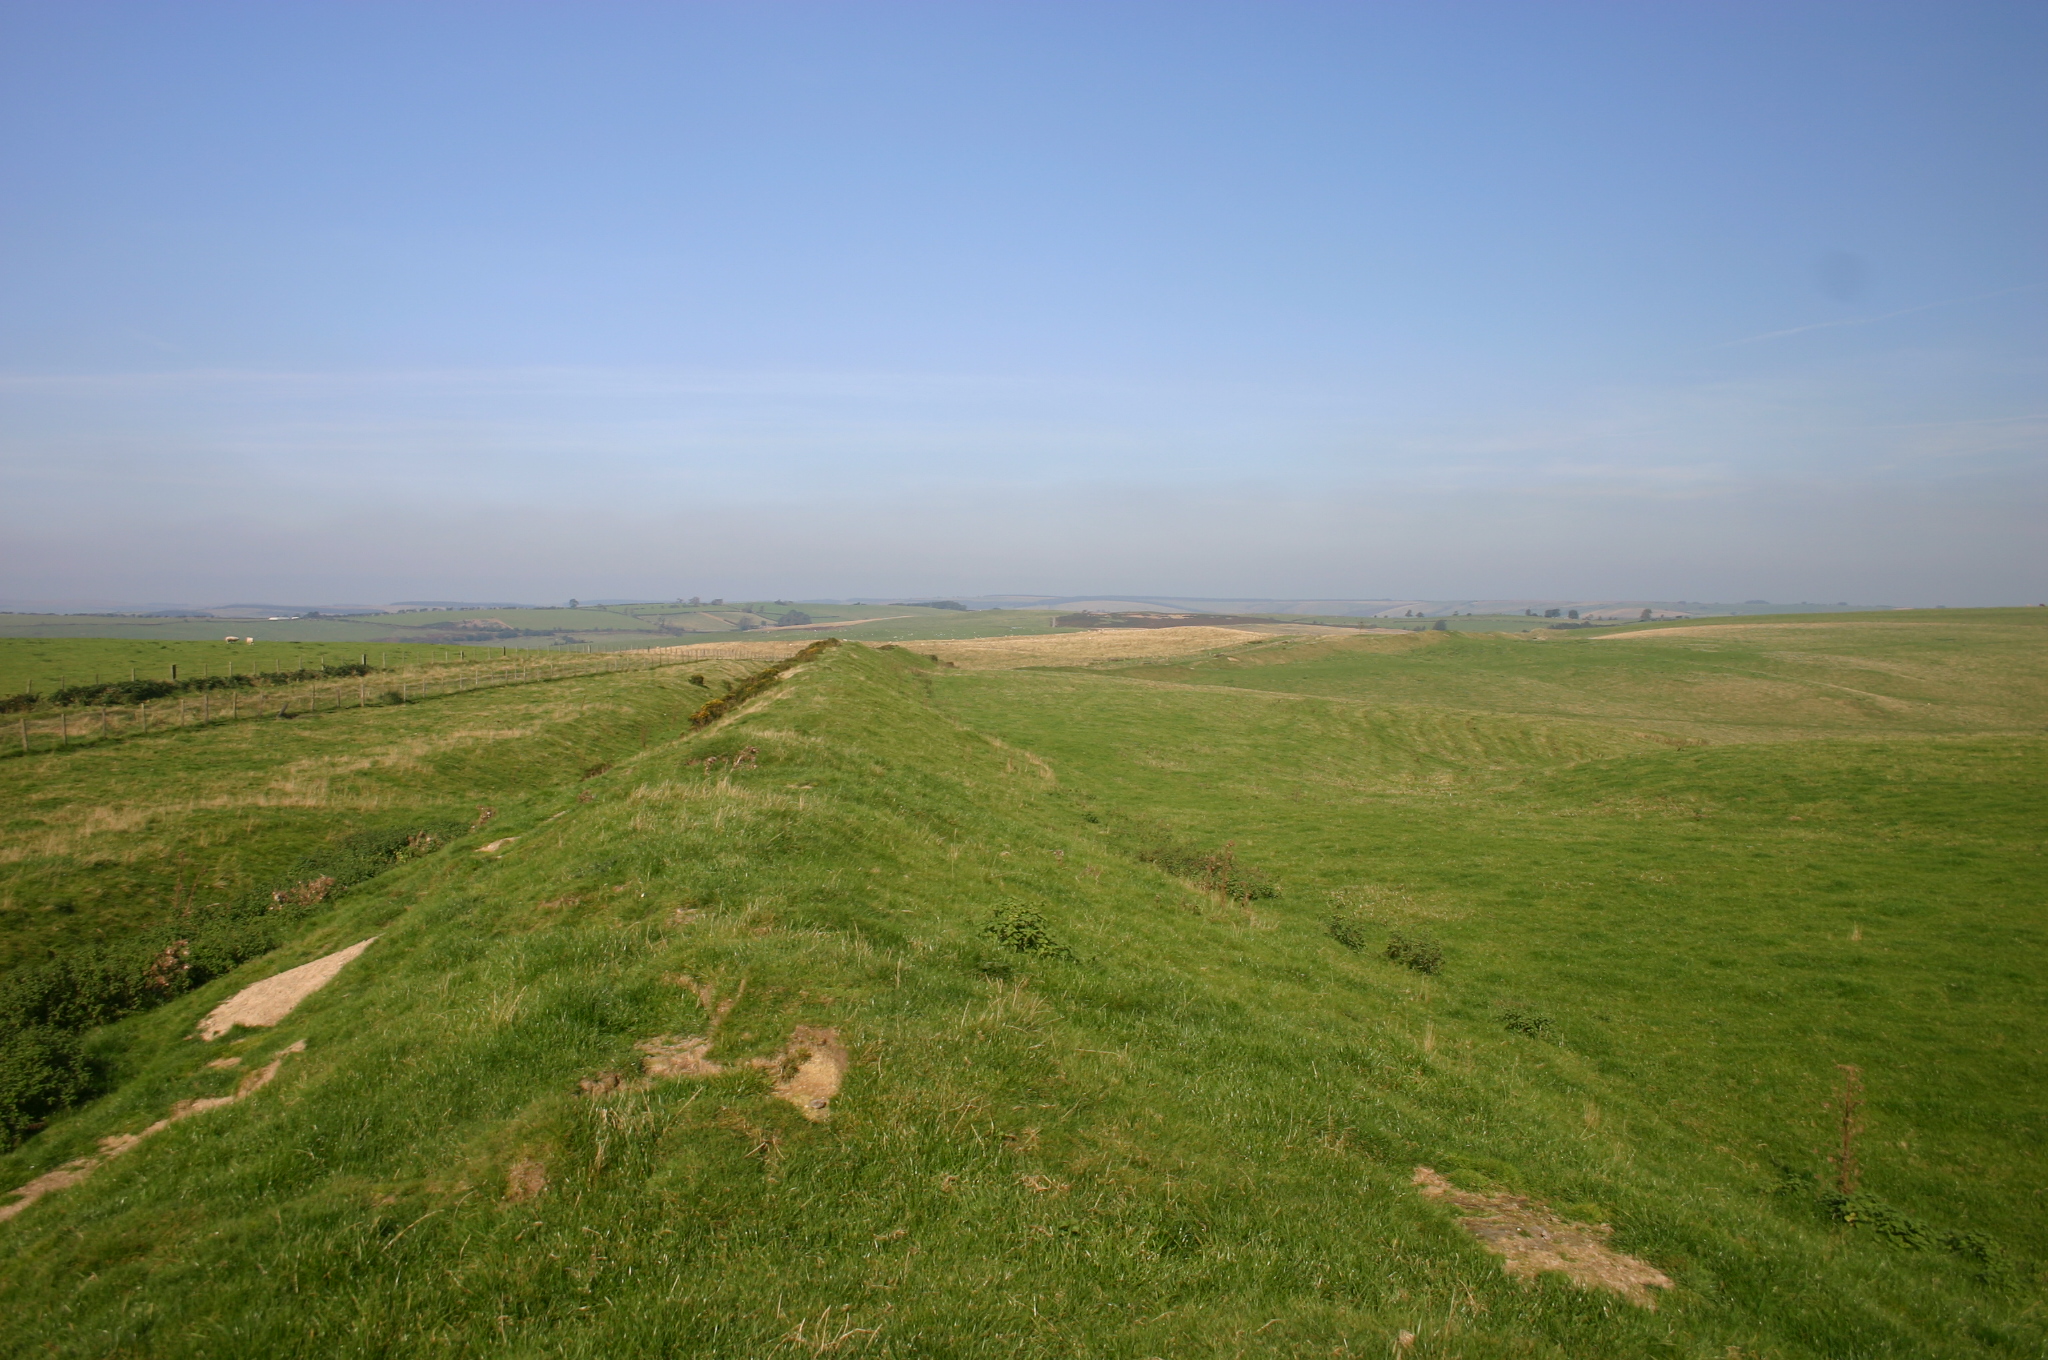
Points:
[(104, 840), (1194, 1137)]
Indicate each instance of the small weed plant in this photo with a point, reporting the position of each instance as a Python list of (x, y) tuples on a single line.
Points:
[(1351, 931), (1419, 952), (1019, 929), (1518, 1017)]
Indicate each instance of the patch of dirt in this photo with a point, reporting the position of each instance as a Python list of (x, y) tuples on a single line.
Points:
[(495, 846), (65, 1176), (71, 1173), (673, 1056), (526, 1179), (809, 1070), (603, 1084), (1531, 1239), (271, 1000)]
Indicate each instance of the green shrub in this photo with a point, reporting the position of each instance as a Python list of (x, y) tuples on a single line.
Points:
[(1419, 952), (1350, 931), (1517, 1018), (1021, 930), (1995, 1265), (42, 1070), (1896, 1227)]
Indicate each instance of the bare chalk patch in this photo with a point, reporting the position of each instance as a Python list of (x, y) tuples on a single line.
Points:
[(674, 1056), (525, 1180), (71, 1173), (809, 1070), (264, 1003), (1531, 1239)]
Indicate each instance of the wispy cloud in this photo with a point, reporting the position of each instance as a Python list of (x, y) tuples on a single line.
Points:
[(1872, 320)]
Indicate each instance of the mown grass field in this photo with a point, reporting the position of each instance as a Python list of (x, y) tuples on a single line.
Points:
[(1676, 880)]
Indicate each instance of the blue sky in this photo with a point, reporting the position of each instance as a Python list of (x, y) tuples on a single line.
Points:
[(369, 301)]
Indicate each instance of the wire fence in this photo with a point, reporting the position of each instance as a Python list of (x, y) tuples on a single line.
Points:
[(56, 728)]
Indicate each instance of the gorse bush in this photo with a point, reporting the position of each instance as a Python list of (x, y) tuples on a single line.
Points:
[(45, 1006), (714, 709), (1419, 952)]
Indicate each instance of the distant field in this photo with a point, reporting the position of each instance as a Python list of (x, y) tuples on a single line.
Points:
[(1088, 647), (1739, 679), (577, 629), (163, 641)]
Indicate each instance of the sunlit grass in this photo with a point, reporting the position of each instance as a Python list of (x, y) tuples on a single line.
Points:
[(1193, 1139)]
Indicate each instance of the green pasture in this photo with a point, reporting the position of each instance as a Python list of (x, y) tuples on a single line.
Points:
[(106, 840), (40, 665), (1952, 671), (1678, 882)]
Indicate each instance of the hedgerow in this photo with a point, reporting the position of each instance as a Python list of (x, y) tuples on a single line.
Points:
[(118, 692)]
